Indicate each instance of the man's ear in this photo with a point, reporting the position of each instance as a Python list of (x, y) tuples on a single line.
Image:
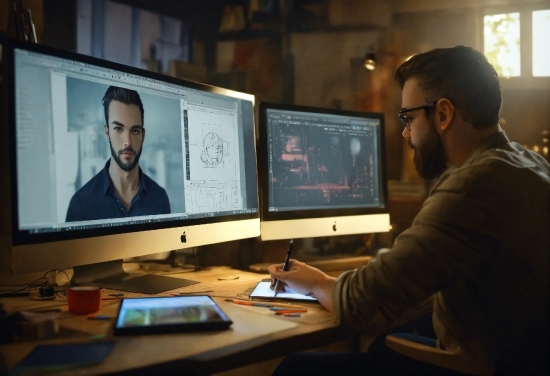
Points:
[(106, 131), (444, 115), (142, 134)]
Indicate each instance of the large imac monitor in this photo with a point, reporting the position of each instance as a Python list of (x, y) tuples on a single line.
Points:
[(109, 162), (322, 172)]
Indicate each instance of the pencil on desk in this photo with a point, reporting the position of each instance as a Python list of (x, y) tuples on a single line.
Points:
[(284, 308), (248, 303), (264, 303), (190, 292), (284, 305), (290, 311)]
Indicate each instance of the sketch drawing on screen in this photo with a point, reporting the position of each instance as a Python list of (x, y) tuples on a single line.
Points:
[(215, 151), (212, 173)]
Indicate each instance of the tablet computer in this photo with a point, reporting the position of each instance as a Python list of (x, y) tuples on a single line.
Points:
[(169, 314), (262, 291)]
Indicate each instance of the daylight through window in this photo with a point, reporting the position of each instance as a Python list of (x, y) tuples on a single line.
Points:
[(502, 43), (541, 45)]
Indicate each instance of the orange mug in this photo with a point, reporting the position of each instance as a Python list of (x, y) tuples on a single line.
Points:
[(84, 299)]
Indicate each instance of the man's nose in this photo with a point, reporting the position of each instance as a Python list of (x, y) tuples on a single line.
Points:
[(406, 133), (127, 139)]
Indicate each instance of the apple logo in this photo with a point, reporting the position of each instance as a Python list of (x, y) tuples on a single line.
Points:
[(183, 238), (334, 227)]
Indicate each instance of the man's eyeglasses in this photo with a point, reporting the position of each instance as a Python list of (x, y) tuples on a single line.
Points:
[(407, 121)]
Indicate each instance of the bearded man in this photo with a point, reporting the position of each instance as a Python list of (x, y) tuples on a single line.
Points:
[(479, 248), (121, 189)]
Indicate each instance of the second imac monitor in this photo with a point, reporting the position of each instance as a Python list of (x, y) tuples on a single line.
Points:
[(322, 172)]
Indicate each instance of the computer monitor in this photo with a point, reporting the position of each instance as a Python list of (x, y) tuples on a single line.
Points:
[(109, 162), (321, 171)]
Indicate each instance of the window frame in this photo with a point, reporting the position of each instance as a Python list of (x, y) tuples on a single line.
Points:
[(526, 80)]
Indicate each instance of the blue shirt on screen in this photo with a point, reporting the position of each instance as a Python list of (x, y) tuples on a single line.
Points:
[(97, 199)]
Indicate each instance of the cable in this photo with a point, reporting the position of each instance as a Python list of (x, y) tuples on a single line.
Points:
[(29, 283), (57, 271), (39, 282), (27, 286)]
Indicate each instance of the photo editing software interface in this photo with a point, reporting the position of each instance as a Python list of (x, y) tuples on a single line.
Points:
[(197, 149), (322, 161)]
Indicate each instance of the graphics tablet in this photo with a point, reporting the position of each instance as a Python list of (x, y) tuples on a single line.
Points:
[(169, 314), (262, 291)]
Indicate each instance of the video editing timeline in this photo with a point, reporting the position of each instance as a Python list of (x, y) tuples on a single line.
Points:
[(321, 161), (53, 149)]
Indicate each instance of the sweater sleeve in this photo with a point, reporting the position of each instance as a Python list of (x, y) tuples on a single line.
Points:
[(452, 236)]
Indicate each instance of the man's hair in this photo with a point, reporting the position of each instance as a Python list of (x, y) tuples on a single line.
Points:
[(460, 74), (126, 96)]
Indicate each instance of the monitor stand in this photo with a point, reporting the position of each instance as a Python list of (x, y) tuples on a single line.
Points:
[(111, 275)]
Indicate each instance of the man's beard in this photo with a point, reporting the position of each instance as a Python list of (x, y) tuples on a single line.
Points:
[(429, 156), (125, 166)]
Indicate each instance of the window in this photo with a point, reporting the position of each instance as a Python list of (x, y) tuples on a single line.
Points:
[(541, 47), (516, 42), (502, 43)]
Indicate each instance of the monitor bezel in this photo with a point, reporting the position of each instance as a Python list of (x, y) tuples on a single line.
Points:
[(24, 237), (263, 167)]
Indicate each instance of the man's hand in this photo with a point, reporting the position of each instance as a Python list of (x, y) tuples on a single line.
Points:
[(306, 280)]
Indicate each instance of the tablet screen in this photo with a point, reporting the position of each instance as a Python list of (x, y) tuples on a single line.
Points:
[(171, 313), (263, 291)]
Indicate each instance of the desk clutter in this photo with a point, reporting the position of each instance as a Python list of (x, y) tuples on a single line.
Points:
[(28, 324), (63, 304), (88, 301)]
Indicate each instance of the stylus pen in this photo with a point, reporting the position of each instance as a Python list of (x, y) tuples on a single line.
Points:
[(279, 284), (249, 303)]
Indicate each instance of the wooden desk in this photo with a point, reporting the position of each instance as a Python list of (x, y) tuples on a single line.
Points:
[(256, 334)]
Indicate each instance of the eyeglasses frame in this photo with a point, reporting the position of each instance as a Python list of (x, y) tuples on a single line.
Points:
[(405, 121)]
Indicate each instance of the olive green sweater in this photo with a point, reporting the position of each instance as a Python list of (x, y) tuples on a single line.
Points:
[(480, 245)]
